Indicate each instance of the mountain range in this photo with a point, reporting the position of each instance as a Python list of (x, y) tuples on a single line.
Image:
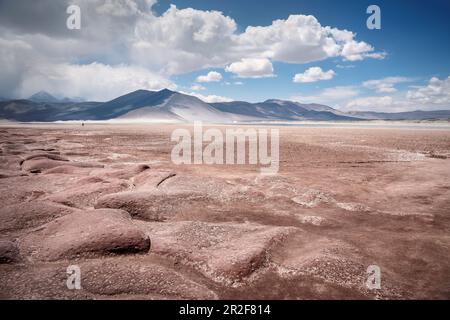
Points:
[(171, 106), (43, 96)]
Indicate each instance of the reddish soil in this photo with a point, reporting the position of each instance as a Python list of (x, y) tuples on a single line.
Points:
[(108, 199)]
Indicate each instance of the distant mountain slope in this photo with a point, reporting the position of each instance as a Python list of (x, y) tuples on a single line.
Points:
[(174, 106), (281, 110), (43, 96), (26, 110), (410, 115), (164, 105), (310, 106), (124, 104), (167, 105)]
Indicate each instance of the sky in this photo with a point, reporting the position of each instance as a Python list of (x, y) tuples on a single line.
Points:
[(307, 51)]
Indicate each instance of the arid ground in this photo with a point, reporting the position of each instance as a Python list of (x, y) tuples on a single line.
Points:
[(107, 198)]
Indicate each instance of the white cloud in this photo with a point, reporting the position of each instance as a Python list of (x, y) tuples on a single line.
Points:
[(94, 81), (197, 87), (436, 92), (356, 51), (209, 98), (314, 74), (385, 85), (212, 76), (302, 39), (127, 33), (434, 95), (332, 96), (251, 68), (183, 40), (376, 103)]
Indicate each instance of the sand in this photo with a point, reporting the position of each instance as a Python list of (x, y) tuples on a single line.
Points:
[(107, 198)]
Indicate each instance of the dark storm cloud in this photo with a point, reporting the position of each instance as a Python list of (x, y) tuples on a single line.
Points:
[(44, 16)]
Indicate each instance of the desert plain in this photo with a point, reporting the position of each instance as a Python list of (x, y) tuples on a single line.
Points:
[(108, 199)]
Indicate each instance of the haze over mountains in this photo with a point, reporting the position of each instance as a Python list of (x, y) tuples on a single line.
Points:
[(43, 96), (171, 106)]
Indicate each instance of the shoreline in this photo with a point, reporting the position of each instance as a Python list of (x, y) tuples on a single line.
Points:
[(367, 124)]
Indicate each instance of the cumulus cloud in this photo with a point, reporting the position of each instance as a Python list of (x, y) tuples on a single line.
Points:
[(432, 96), (356, 51), (128, 34), (184, 40), (302, 39), (385, 85), (436, 92), (314, 74), (212, 76), (251, 68)]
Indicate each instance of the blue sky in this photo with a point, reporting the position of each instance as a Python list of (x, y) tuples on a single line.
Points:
[(309, 51), (414, 35)]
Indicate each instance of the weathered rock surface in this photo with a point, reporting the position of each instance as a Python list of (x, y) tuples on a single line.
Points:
[(119, 277), (123, 173), (151, 205), (30, 214), (87, 191), (86, 233), (342, 200), (226, 253), (41, 164), (141, 278), (9, 252), (11, 173), (31, 187)]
